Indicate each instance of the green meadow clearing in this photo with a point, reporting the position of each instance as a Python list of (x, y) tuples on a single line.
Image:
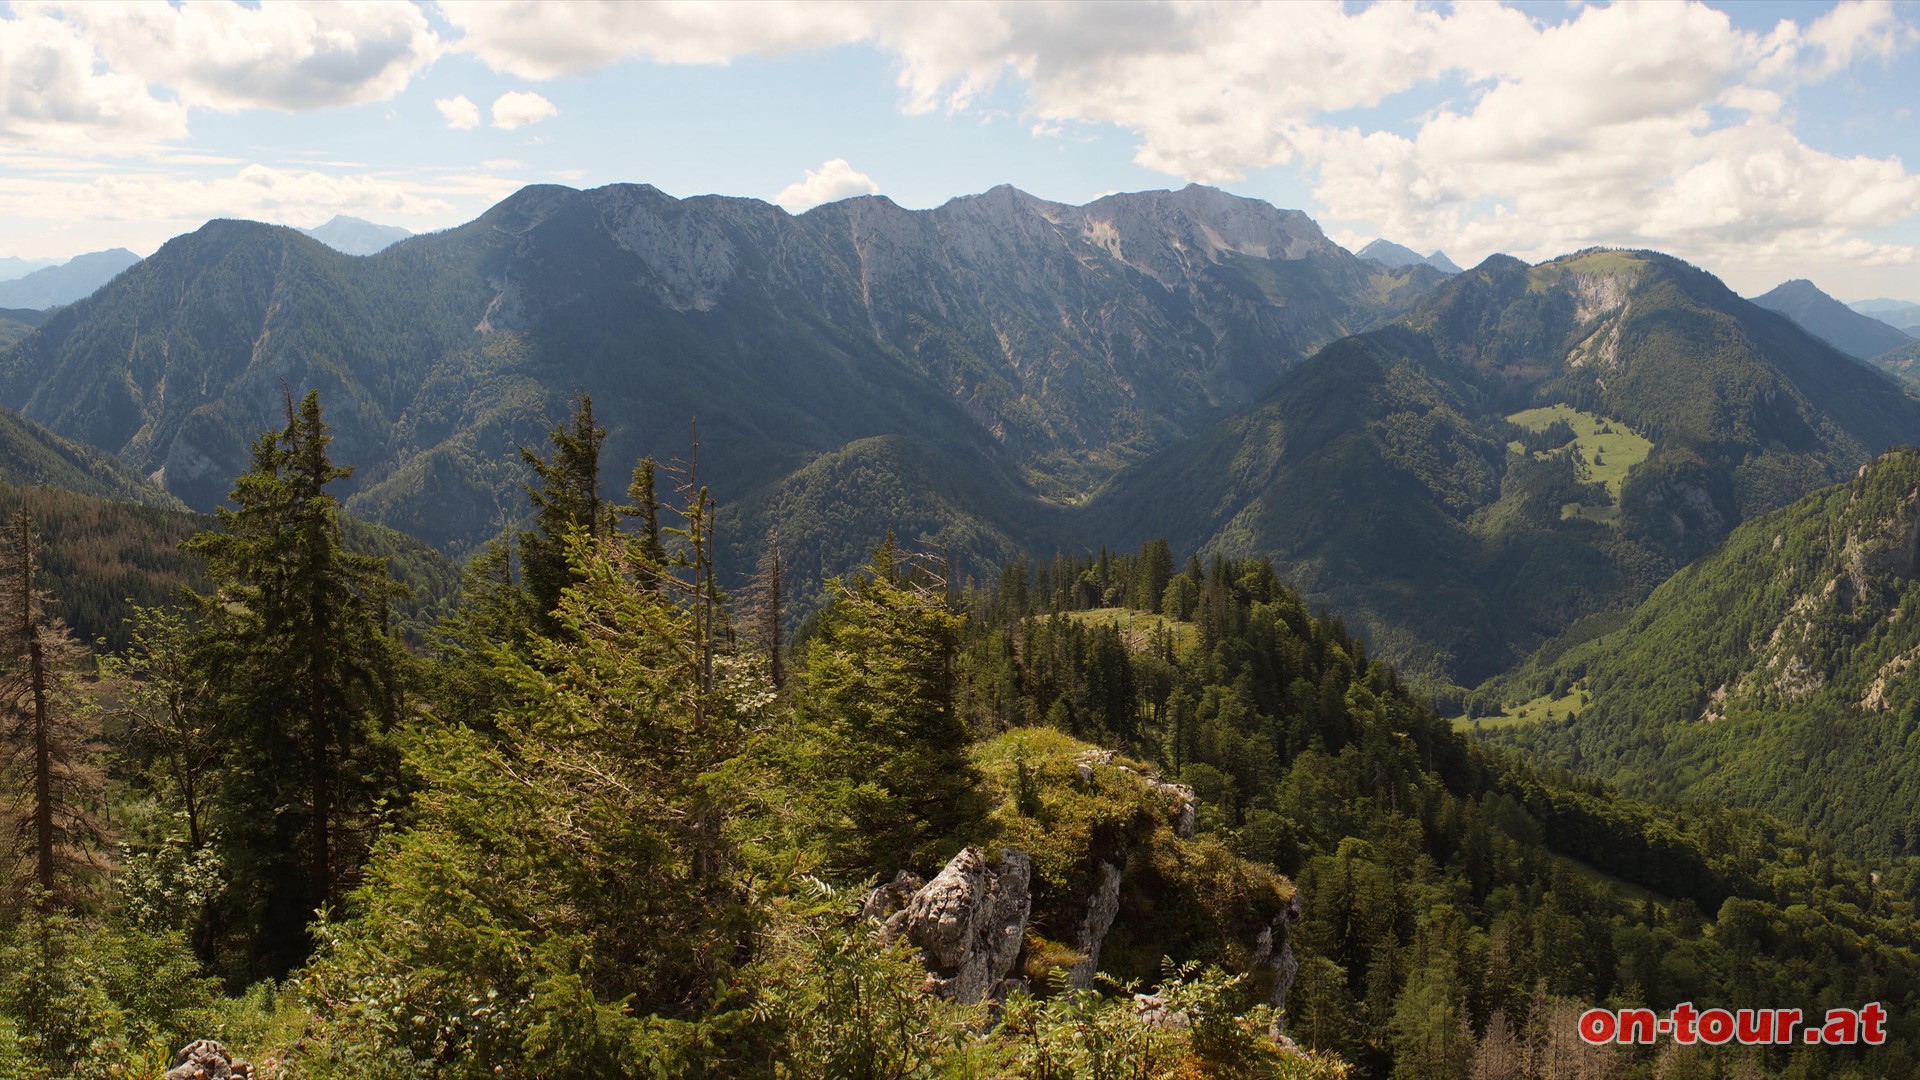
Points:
[(1607, 449)]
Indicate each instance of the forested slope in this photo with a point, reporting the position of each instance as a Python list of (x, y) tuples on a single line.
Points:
[(1774, 673)]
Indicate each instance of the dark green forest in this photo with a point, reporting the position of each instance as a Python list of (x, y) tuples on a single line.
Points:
[(597, 817)]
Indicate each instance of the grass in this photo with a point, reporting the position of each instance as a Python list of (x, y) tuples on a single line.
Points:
[(1545, 707), (1542, 277), (1608, 450), (1138, 628), (1604, 262)]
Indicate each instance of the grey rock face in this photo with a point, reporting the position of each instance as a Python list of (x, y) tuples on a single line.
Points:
[(1101, 909), (969, 922), (1282, 962), (886, 899)]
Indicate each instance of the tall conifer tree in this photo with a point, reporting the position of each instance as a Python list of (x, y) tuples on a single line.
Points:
[(307, 674), (566, 498)]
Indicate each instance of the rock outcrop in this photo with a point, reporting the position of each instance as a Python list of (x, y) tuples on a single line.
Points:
[(886, 899), (204, 1059), (1281, 962), (1101, 909), (969, 922)]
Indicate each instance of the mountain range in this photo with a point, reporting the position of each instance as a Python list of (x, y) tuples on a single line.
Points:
[(13, 267), (1022, 348), (53, 286), (16, 323), (1446, 484), (1903, 315), (1000, 376)]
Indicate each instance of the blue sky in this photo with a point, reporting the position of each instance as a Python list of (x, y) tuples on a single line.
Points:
[(1762, 141)]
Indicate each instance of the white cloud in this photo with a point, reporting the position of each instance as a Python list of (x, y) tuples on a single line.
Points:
[(538, 40), (53, 92), (255, 191), (283, 55), (461, 113), (1853, 31), (518, 108), (1648, 125), (68, 208), (832, 181), (501, 164), (118, 78)]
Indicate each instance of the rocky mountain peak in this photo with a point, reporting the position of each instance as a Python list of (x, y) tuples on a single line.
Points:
[(1205, 221), (1388, 253)]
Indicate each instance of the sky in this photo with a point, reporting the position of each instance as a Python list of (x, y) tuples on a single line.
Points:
[(1761, 141)]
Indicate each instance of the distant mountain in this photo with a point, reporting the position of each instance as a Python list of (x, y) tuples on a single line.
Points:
[(1902, 315), (1391, 254), (1882, 305), (355, 236), (63, 284), (1859, 336), (1777, 673), (967, 371), (1385, 477), (13, 267)]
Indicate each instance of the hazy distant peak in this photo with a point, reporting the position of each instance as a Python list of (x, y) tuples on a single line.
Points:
[(63, 284), (13, 267), (1860, 336), (357, 236), (1887, 309), (1390, 254)]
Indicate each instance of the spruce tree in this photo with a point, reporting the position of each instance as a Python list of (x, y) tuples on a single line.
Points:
[(644, 507), (768, 595), (307, 674), (885, 744), (567, 499)]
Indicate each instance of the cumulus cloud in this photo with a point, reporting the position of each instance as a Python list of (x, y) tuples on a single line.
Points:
[(834, 180), (461, 113), (120, 77), (289, 55), (1658, 125), (518, 108), (538, 40), (52, 91)]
